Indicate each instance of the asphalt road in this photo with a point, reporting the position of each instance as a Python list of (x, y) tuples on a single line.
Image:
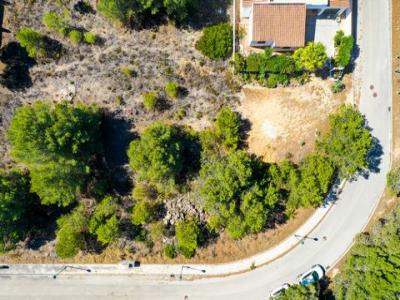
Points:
[(349, 216)]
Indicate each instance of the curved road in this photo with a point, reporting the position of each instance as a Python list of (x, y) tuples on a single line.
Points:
[(349, 216)]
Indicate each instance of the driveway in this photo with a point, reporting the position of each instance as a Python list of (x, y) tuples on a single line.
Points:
[(349, 216)]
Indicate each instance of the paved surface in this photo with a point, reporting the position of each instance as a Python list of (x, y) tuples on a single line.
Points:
[(348, 216)]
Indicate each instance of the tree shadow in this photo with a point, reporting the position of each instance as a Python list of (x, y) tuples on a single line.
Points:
[(374, 156), (207, 12), (116, 137), (16, 76)]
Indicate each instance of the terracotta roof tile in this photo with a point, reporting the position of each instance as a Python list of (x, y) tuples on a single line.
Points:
[(283, 24), (339, 3)]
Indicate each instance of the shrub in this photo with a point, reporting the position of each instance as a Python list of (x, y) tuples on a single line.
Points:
[(172, 89), (312, 58), (75, 36), (187, 235), (344, 48), (33, 42), (170, 251), (56, 23), (90, 38), (127, 71), (156, 231), (70, 233), (15, 203), (299, 292), (143, 212), (104, 221), (277, 79), (216, 41), (337, 87), (227, 128), (144, 191), (393, 181), (150, 100), (281, 64)]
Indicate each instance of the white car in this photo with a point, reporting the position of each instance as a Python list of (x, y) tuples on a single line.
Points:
[(314, 275), (278, 290)]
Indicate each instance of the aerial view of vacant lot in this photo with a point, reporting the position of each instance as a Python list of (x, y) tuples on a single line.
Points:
[(130, 130)]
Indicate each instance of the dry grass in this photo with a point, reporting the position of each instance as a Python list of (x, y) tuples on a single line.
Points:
[(284, 121)]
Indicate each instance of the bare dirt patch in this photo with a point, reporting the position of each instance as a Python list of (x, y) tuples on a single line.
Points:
[(284, 121)]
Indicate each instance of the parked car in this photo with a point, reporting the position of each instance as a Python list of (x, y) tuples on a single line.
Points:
[(314, 275), (279, 290)]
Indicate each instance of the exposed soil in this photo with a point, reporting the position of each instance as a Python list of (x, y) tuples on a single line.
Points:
[(284, 121)]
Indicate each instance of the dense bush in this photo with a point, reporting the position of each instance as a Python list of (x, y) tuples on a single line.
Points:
[(270, 70), (216, 41), (344, 49), (15, 203), (371, 270), (70, 233), (143, 212), (129, 12), (104, 222), (187, 236), (227, 128), (393, 181), (56, 145), (33, 42), (348, 142), (311, 58), (170, 251)]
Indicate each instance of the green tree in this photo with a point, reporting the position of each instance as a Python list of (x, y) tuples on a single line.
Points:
[(104, 222), (299, 292), (158, 155), (56, 145), (233, 196), (33, 42), (371, 271), (316, 173), (311, 58), (187, 236), (344, 49), (15, 203), (227, 128), (39, 133), (216, 41), (284, 176), (348, 142), (58, 182), (118, 12), (393, 181), (70, 233)]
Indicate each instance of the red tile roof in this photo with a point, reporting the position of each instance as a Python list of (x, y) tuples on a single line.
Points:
[(283, 24), (340, 3)]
